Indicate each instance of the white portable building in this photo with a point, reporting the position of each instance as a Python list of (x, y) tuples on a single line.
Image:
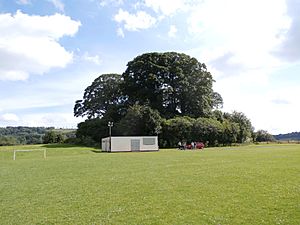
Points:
[(130, 144)]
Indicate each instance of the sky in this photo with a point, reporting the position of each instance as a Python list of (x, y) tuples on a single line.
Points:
[(51, 50)]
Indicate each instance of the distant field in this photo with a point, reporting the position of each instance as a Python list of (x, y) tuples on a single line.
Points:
[(257, 184)]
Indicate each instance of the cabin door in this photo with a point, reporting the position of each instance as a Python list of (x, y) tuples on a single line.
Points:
[(135, 145)]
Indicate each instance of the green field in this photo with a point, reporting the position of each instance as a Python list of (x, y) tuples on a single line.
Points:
[(258, 184)]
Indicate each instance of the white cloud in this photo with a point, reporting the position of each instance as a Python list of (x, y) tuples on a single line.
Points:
[(238, 40), (108, 2), (141, 19), (270, 108), (134, 22), (58, 4), (23, 2), (91, 58), (167, 7), (172, 32), (248, 30), (120, 32), (58, 120), (9, 117), (289, 49), (32, 41)]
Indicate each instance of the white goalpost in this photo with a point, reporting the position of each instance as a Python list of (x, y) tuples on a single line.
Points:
[(15, 152)]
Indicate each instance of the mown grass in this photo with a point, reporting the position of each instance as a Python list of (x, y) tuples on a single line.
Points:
[(74, 185)]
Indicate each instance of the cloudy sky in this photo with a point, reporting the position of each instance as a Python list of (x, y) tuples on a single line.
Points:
[(51, 50)]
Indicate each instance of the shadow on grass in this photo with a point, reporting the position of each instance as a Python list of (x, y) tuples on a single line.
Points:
[(69, 146), (97, 151)]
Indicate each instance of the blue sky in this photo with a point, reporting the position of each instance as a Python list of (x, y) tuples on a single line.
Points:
[(51, 50)]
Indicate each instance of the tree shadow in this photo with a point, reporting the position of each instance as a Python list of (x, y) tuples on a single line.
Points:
[(97, 151), (68, 146)]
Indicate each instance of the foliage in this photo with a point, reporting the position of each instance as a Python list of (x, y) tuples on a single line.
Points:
[(263, 136), (8, 140), (53, 137), (103, 95), (255, 184), (207, 130), (22, 135), (172, 83), (245, 126), (231, 131), (140, 120), (23, 130), (167, 93), (175, 130), (91, 131), (211, 131)]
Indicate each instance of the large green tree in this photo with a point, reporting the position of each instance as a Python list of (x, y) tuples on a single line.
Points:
[(102, 96), (172, 91), (172, 83)]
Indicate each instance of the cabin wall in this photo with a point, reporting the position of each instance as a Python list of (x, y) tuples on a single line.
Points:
[(129, 144)]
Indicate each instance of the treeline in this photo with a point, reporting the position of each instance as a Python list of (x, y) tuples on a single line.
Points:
[(22, 135), (220, 129)]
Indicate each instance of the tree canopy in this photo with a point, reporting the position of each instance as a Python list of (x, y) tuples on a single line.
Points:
[(172, 83), (244, 124), (142, 120), (103, 95)]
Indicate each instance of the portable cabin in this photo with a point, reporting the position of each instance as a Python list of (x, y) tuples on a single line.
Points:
[(130, 144)]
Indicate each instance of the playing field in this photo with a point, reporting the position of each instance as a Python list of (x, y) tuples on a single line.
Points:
[(257, 184)]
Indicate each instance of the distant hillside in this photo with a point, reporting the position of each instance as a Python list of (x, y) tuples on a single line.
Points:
[(65, 130), (294, 136), (29, 135)]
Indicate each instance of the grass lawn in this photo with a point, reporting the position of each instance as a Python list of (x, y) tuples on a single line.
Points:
[(257, 184)]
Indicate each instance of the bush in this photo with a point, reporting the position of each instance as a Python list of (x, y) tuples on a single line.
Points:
[(8, 140), (53, 137)]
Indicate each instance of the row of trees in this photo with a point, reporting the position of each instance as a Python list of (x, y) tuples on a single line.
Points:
[(166, 94), (220, 129)]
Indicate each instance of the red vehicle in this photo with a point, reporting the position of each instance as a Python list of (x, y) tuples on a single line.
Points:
[(189, 146), (199, 145)]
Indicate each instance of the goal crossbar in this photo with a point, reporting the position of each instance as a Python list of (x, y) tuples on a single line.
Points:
[(15, 152)]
